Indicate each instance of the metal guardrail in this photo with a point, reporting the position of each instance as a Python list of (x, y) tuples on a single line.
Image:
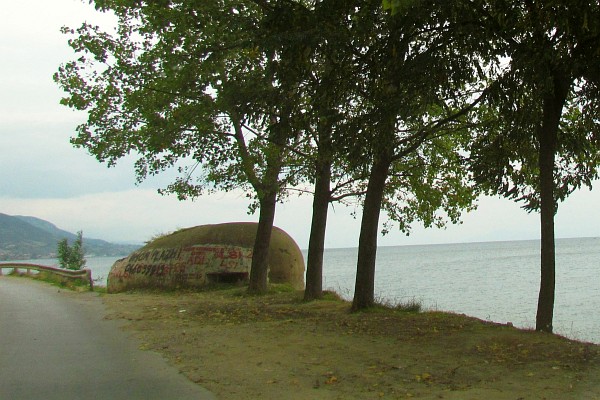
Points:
[(84, 274)]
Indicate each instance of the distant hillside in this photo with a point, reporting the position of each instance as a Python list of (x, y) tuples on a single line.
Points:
[(24, 237)]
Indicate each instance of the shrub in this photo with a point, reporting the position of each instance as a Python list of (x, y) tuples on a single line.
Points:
[(71, 257)]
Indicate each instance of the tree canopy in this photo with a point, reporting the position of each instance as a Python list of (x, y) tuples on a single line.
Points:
[(418, 82), (191, 85)]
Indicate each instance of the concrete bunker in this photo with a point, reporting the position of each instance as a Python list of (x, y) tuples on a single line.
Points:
[(197, 256)]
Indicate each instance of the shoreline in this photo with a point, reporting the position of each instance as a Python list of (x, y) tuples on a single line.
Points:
[(574, 315)]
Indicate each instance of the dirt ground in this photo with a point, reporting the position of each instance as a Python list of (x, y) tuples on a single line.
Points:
[(278, 347)]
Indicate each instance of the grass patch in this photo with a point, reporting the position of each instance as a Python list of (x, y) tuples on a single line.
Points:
[(330, 295), (275, 288), (412, 305), (100, 289), (78, 285), (60, 281)]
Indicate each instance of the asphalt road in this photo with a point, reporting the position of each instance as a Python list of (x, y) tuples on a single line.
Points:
[(56, 345)]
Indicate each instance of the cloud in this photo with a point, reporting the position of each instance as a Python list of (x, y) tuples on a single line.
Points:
[(45, 165), (32, 48)]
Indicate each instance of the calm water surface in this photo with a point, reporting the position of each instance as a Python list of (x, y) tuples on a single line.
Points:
[(496, 281)]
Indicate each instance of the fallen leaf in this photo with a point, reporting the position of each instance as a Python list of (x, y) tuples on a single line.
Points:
[(423, 377)]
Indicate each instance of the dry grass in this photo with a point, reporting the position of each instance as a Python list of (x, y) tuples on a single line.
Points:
[(276, 346)]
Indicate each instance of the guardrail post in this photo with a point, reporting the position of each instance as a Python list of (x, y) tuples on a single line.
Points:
[(89, 276)]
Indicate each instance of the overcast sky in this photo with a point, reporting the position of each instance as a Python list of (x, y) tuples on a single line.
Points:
[(42, 175)]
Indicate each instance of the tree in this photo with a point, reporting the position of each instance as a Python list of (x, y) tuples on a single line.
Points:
[(71, 257), (341, 116), (191, 82), (329, 96), (539, 137), (419, 81), (338, 35)]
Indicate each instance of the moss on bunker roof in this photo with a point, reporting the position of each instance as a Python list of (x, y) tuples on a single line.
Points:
[(233, 233)]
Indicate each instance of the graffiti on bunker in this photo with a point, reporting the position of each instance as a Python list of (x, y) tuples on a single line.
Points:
[(188, 263)]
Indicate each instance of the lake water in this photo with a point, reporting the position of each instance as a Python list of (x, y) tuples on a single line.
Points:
[(496, 281)]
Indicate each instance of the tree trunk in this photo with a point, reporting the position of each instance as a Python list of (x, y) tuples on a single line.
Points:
[(548, 137), (364, 288), (259, 269), (545, 308), (316, 243)]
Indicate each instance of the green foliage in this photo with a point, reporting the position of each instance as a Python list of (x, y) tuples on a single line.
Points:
[(419, 78), (71, 257), (549, 45), (396, 6), (252, 95), (190, 87)]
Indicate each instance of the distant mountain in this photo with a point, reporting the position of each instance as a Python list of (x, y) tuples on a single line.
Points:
[(24, 237), (46, 226)]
